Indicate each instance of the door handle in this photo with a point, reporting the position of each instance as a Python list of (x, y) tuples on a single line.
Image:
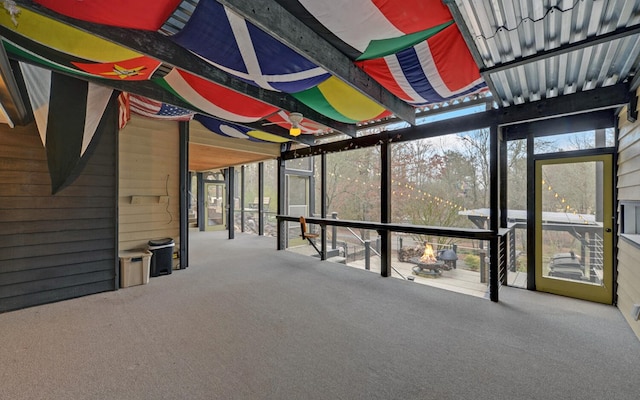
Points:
[(608, 230)]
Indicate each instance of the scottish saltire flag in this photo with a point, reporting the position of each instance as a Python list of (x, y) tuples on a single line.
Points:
[(144, 15), (230, 43), (69, 115), (229, 129), (157, 110), (213, 99), (438, 69)]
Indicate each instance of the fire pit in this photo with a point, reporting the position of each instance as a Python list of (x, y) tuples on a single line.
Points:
[(427, 265)]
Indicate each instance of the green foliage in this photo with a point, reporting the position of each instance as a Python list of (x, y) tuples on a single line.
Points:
[(472, 262)]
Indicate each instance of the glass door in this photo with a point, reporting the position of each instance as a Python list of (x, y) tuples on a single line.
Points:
[(215, 207), (574, 221)]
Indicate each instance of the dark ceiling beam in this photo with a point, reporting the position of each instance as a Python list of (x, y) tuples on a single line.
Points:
[(550, 110), (590, 100), (279, 23), (566, 48), (471, 44), (434, 129), (602, 119), (160, 47)]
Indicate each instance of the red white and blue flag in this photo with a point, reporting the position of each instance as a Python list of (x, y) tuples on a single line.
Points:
[(157, 110)]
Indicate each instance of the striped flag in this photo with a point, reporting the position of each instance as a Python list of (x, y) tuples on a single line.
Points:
[(157, 110), (411, 47), (433, 71), (365, 29), (70, 114), (213, 99)]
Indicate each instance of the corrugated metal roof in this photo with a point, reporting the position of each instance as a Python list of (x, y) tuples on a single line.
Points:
[(506, 31)]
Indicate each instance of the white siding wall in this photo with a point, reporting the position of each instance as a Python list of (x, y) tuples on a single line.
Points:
[(149, 183), (628, 190)]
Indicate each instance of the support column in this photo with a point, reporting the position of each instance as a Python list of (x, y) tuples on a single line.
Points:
[(282, 231), (185, 184), (385, 208), (531, 214), (495, 206), (231, 194), (200, 201), (242, 199), (323, 203), (261, 198)]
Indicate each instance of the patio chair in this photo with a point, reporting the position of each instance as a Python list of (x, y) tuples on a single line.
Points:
[(309, 236)]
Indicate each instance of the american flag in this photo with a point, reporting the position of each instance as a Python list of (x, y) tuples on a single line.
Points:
[(158, 110)]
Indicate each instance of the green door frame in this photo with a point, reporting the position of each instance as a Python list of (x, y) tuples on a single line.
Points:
[(602, 292)]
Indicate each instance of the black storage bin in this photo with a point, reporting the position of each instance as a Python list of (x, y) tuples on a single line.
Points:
[(162, 256)]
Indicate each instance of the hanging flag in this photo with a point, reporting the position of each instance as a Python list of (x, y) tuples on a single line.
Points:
[(143, 15), (68, 49), (438, 69), (68, 114), (157, 110), (135, 69), (229, 129), (365, 29), (214, 99), (124, 109), (236, 46), (339, 101)]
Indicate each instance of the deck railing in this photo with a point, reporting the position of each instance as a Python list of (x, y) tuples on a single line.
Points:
[(495, 239)]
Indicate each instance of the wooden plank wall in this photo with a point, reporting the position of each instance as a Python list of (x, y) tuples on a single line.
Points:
[(54, 247), (628, 190), (149, 183)]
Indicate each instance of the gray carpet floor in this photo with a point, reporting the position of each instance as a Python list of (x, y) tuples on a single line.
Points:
[(245, 321)]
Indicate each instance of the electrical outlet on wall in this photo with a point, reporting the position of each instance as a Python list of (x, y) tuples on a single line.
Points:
[(635, 312)]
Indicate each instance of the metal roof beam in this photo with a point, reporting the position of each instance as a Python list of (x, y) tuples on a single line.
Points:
[(279, 23), (566, 48), (160, 47)]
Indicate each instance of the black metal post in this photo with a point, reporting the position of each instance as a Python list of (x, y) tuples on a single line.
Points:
[(385, 208), (502, 161), (231, 194), (261, 198), (494, 259), (185, 184), (281, 229), (334, 232), (242, 202), (531, 214), (323, 204), (495, 197), (200, 207), (367, 255)]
